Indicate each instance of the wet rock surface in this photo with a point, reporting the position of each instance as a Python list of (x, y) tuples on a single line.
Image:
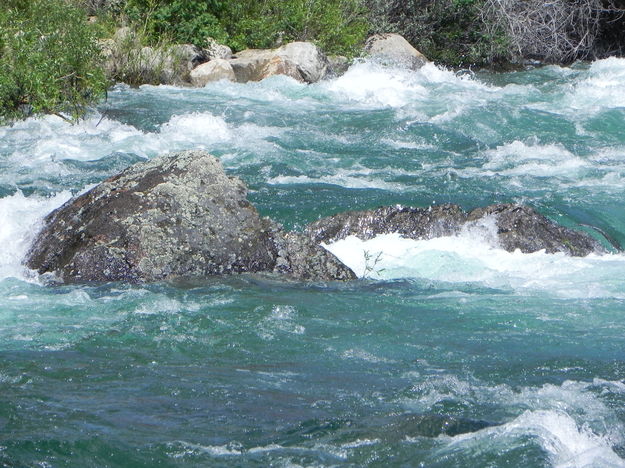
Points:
[(174, 216), (182, 216), (517, 227)]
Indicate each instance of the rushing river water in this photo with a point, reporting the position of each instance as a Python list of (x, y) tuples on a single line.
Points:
[(447, 353)]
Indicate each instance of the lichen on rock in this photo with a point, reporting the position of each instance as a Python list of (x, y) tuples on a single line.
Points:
[(178, 215)]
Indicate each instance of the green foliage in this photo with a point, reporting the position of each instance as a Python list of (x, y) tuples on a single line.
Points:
[(337, 26), (181, 21), (48, 59)]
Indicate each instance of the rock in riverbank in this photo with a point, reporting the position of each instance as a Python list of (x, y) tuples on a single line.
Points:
[(517, 227), (174, 216), (215, 70), (393, 49), (302, 61)]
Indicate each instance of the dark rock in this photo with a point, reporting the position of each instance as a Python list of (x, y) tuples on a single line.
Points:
[(412, 223), (517, 226), (174, 216), (338, 65), (304, 259), (521, 227)]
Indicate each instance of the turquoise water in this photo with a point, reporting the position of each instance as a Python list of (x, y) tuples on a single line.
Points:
[(446, 353)]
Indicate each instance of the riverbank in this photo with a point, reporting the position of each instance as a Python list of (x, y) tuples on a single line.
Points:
[(53, 60)]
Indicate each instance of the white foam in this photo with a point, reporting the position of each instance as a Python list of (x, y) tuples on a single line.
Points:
[(567, 443), (474, 257), (281, 319), (570, 422), (601, 89), (212, 132), (37, 141), (532, 159), (42, 144), (372, 85), (357, 176), (362, 355), (20, 219), (196, 126), (377, 86), (342, 178)]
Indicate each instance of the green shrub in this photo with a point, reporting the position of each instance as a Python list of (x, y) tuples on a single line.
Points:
[(180, 21), (337, 26), (48, 59)]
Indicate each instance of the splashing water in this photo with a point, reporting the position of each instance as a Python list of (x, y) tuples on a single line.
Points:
[(447, 352)]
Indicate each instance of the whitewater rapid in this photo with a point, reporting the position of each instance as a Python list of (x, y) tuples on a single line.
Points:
[(523, 351)]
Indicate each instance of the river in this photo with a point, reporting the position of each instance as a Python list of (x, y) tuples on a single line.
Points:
[(449, 352)]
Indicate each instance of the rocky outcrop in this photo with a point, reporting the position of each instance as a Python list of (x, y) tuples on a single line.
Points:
[(174, 216), (393, 49), (215, 70), (303, 259), (521, 227), (302, 61), (517, 227), (125, 59)]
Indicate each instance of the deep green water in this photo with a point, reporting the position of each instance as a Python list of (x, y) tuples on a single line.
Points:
[(447, 353)]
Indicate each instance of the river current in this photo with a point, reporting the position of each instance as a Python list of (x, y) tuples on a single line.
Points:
[(449, 352)]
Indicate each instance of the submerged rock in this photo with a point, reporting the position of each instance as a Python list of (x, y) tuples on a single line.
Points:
[(517, 227), (393, 49), (174, 216), (431, 425)]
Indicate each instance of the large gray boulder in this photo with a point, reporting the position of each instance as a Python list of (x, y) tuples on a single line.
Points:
[(302, 61), (517, 226), (393, 49), (174, 216)]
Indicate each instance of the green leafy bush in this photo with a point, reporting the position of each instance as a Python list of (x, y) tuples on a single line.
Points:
[(181, 21), (337, 26), (48, 59)]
